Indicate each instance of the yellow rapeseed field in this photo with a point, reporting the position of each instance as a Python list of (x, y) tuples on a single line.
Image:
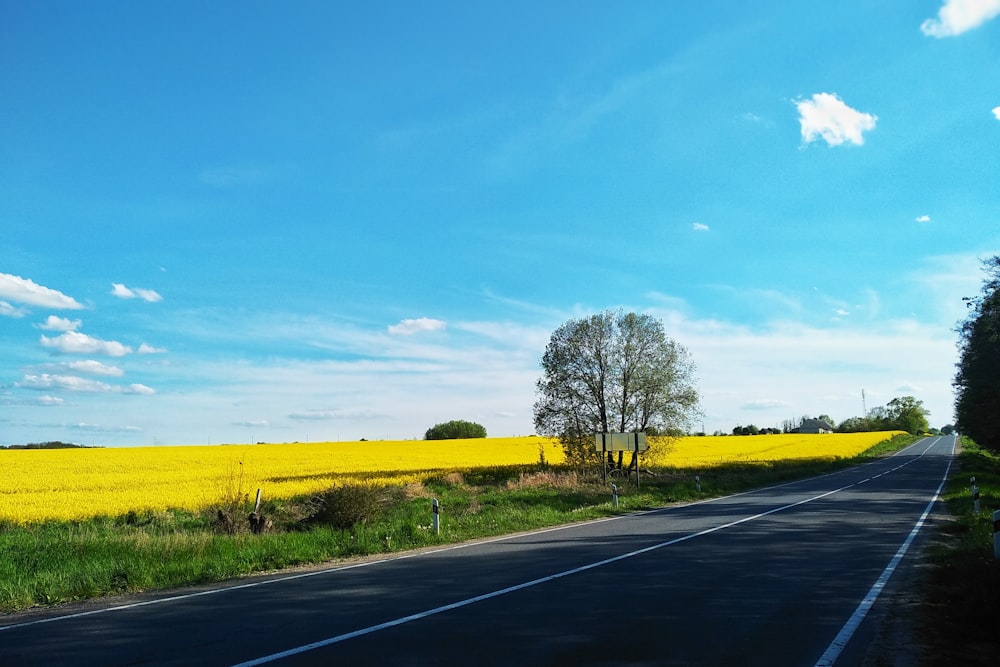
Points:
[(696, 452), (36, 485), (79, 483)]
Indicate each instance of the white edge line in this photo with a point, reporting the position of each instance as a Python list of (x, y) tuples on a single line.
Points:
[(835, 648)]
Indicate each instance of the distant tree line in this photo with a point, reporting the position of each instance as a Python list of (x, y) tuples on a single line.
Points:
[(54, 444), (904, 413)]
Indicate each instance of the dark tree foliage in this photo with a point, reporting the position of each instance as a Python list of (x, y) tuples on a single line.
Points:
[(613, 372), (977, 382), (456, 428)]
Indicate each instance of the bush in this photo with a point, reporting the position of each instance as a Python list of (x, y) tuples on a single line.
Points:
[(346, 506), (457, 428)]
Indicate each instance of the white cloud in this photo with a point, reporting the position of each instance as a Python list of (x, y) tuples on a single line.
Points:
[(55, 323), (766, 404), (50, 400), (149, 349), (123, 292), (331, 415), (23, 290), (8, 310), (996, 112), (86, 426), (699, 227), (45, 382), (923, 218), (958, 16), (95, 368), (825, 116), (253, 423), (74, 342), (419, 325)]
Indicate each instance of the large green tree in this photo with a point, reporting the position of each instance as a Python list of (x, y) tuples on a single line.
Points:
[(977, 382), (906, 413), (613, 372)]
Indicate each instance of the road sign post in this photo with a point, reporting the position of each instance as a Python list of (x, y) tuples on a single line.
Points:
[(620, 442)]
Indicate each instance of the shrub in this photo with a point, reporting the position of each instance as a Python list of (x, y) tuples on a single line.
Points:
[(346, 506)]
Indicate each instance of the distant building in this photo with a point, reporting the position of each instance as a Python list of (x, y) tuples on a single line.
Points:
[(814, 426)]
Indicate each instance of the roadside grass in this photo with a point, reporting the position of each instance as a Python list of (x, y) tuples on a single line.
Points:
[(961, 614), (57, 562)]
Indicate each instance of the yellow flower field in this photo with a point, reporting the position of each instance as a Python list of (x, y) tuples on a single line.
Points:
[(79, 483), (692, 452), (36, 485)]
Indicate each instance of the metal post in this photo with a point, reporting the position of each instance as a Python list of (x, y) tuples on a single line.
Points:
[(996, 534), (636, 461), (436, 508), (604, 456)]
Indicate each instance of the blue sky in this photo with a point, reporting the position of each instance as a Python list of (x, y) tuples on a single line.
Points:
[(248, 221)]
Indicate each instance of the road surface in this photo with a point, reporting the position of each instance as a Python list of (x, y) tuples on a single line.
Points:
[(787, 575)]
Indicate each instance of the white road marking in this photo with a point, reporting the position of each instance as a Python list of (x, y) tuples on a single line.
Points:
[(833, 651), (535, 582)]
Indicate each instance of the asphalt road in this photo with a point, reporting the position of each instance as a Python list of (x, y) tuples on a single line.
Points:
[(787, 575)]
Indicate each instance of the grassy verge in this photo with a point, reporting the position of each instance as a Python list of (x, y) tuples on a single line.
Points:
[(58, 562), (960, 612)]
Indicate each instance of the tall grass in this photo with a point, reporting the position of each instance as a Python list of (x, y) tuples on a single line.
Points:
[(960, 612)]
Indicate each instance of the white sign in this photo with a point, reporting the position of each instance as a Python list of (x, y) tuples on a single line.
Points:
[(620, 442)]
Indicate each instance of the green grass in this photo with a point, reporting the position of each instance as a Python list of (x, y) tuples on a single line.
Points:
[(59, 562), (961, 612)]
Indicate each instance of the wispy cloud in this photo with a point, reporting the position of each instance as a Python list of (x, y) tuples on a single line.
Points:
[(50, 401), (825, 116), (699, 227), (923, 218), (100, 428), (28, 292), (47, 382), (123, 292), (414, 326), (145, 348), (74, 342), (56, 323), (958, 16), (91, 367), (7, 310), (766, 404), (996, 112), (335, 415)]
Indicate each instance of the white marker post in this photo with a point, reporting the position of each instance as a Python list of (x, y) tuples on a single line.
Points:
[(975, 499), (436, 508), (996, 535), (614, 495), (697, 483)]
